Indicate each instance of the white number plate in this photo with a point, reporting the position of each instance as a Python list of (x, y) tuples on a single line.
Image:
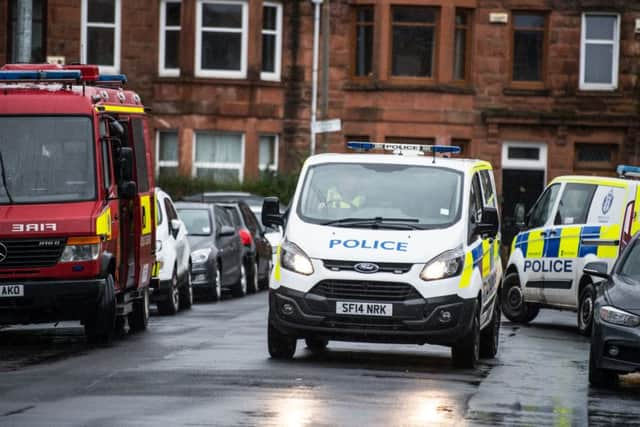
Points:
[(7, 291), (364, 308)]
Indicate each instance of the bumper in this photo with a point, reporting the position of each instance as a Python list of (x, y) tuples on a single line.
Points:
[(51, 301), (415, 321), (202, 277), (627, 341)]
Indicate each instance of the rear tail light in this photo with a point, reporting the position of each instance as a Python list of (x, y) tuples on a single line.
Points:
[(245, 236)]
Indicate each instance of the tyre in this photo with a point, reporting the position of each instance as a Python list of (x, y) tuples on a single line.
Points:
[(316, 345), (100, 326), (466, 352), (601, 378), (171, 305), (281, 346), (186, 294), (490, 336), (512, 301), (139, 317), (240, 289), (264, 282), (585, 309), (252, 278)]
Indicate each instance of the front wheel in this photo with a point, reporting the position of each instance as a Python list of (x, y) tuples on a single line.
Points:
[(172, 303), (100, 325), (240, 289), (253, 278), (602, 378), (139, 317), (281, 346), (512, 300), (466, 352), (186, 294), (585, 309), (490, 336)]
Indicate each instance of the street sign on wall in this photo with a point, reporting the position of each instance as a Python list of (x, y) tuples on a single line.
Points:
[(324, 126)]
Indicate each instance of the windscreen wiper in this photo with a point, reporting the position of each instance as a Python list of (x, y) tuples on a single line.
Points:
[(376, 222), (4, 179)]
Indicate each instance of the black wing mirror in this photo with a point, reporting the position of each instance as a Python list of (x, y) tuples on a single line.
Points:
[(597, 269), (490, 222), (271, 215)]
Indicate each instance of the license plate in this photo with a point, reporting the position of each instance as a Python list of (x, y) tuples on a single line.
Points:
[(364, 308), (8, 291)]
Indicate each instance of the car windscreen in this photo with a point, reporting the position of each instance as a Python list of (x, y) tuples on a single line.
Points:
[(47, 159), (630, 266), (343, 193), (197, 221)]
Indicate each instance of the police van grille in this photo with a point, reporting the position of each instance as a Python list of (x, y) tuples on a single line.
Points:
[(365, 290), (32, 253), (384, 267), (354, 322)]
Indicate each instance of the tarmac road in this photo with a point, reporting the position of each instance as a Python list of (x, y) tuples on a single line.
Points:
[(210, 367)]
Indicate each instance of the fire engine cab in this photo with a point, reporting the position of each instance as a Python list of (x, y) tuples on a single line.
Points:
[(77, 230)]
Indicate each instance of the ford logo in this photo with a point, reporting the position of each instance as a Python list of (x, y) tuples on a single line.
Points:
[(366, 267)]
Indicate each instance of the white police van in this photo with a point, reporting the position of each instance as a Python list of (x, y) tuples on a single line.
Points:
[(576, 220), (388, 248)]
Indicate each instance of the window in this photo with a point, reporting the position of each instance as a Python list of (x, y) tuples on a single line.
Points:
[(167, 153), (38, 32), (219, 156), (475, 207), (221, 39), (528, 50), (595, 156), (487, 189), (169, 60), (599, 51), (142, 173), (462, 45), (101, 34), (268, 155), (574, 204), (271, 41), (541, 211), (363, 51), (413, 41)]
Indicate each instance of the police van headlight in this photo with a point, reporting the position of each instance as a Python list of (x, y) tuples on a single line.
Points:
[(81, 249), (618, 317), (293, 258), (447, 264)]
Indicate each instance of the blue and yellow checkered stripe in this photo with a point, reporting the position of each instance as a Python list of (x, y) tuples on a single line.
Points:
[(483, 255), (567, 242)]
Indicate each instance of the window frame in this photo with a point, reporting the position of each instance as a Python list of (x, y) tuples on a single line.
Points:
[(579, 165), (529, 84), (117, 35), (244, 31), (615, 66), (261, 166), (163, 71), (354, 41), (276, 74), (166, 163), (436, 41), (215, 165), (468, 54)]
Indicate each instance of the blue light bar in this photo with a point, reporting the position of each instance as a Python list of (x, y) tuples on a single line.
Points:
[(623, 170), (112, 78), (39, 76), (399, 148)]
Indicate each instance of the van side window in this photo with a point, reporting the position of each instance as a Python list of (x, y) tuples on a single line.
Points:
[(475, 207), (171, 212), (249, 219), (139, 147), (487, 189), (541, 211), (574, 204), (106, 164)]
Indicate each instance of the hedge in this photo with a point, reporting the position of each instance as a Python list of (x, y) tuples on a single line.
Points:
[(268, 184)]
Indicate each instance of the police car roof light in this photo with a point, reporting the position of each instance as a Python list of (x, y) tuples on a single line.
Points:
[(626, 170), (399, 148), (40, 76), (112, 78)]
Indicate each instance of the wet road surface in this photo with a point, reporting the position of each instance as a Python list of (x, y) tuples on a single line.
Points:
[(209, 367)]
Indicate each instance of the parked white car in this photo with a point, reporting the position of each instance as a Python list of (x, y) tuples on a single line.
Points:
[(172, 288)]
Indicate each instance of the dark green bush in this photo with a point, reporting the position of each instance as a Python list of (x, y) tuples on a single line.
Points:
[(268, 184)]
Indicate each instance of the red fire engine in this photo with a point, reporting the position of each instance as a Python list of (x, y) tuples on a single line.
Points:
[(77, 230)]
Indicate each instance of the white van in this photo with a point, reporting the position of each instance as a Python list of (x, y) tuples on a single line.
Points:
[(388, 248), (576, 220)]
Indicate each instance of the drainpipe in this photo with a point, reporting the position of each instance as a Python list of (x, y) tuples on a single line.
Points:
[(314, 77), (23, 30)]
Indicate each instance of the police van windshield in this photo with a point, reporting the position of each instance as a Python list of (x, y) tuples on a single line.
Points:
[(381, 195), (46, 159)]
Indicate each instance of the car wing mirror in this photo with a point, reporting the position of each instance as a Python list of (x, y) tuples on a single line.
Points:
[(271, 212), (489, 224), (597, 269), (226, 231), (175, 227)]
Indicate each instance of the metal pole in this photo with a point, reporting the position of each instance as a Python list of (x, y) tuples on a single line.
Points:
[(324, 83), (23, 30), (314, 77)]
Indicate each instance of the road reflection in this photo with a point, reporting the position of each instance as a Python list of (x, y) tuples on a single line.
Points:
[(427, 408), (296, 411)]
